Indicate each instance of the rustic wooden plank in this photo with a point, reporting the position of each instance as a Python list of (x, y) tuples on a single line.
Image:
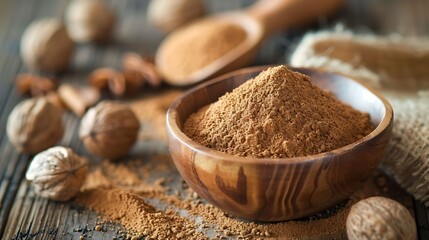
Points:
[(12, 164), (10, 98), (7, 26), (5, 86), (38, 217), (21, 14), (5, 20), (22, 212), (12, 179), (422, 220), (10, 39)]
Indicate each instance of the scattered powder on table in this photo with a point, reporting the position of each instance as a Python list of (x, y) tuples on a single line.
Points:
[(151, 110), (105, 193), (119, 175), (197, 45), (279, 113), (96, 179), (138, 216), (333, 224), (328, 223)]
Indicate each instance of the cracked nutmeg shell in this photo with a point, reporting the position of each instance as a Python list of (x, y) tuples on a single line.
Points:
[(109, 129), (46, 46), (380, 218), (35, 125), (57, 173)]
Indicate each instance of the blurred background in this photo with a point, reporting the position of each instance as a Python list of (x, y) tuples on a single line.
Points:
[(135, 33)]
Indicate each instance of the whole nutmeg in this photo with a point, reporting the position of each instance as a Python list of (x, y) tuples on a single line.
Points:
[(57, 173), (90, 20), (35, 125), (380, 218), (109, 129), (46, 46), (168, 15)]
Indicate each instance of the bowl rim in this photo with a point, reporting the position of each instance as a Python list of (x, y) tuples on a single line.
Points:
[(173, 128)]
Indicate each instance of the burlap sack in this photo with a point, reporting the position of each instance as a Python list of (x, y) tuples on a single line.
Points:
[(399, 69)]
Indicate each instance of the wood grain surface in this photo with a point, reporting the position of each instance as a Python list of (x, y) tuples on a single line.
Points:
[(26, 216)]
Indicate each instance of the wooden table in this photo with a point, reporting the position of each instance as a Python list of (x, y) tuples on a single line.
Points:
[(25, 216)]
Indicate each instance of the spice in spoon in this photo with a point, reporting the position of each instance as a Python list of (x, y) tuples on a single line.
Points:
[(199, 44)]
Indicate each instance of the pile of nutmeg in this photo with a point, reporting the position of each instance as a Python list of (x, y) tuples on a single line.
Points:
[(108, 129)]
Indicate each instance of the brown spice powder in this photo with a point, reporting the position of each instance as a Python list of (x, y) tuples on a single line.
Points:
[(330, 222), (105, 193), (118, 175), (151, 111), (279, 113), (133, 212), (200, 44), (285, 230)]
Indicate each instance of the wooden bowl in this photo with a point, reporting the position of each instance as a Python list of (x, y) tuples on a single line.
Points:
[(278, 189)]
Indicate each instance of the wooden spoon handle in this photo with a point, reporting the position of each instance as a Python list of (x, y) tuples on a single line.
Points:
[(280, 14)]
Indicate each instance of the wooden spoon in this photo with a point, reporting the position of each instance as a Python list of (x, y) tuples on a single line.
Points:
[(259, 21)]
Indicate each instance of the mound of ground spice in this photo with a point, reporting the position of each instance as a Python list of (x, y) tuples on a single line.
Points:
[(279, 113), (196, 46)]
